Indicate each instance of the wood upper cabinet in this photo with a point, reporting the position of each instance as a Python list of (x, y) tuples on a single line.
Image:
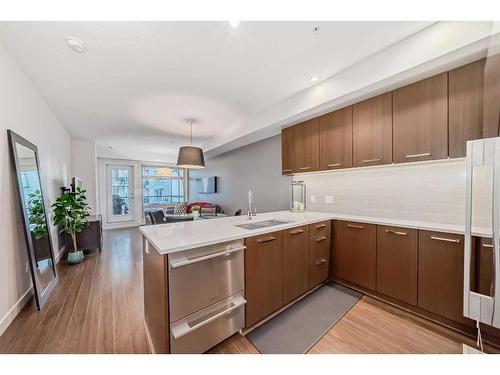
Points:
[(372, 131), (441, 274), (466, 106), (263, 276), (491, 97), (287, 151), (354, 253), (295, 267), (306, 146), (420, 120), (335, 135), (397, 263)]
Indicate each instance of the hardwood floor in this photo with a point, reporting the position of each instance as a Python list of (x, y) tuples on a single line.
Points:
[(97, 308)]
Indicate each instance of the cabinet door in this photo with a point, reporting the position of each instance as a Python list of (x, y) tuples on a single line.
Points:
[(397, 260), (466, 106), (420, 120), (355, 249), (484, 267), (335, 134), (287, 151), (306, 146), (491, 96), (441, 274), (319, 260), (263, 276), (372, 131), (295, 253)]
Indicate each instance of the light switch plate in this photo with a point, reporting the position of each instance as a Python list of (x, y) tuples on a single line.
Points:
[(328, 199), (313, 198)]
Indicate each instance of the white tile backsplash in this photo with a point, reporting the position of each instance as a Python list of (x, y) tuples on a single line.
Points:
[(432, 191)]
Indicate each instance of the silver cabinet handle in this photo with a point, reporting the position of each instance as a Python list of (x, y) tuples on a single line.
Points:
[(418, 155), (304, 168), (298, 231), (286, 170), (185, 329), (268, 239), (320, 239), (334, 165), (370, 160), (454, 240), (185, 262), (320, 262), (354, 226), (487, 245), (320, 226), (395, 232)]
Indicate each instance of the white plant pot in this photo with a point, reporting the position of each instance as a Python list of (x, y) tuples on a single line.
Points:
[(196, 213)]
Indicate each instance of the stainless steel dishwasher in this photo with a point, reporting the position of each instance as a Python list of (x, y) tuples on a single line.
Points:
[(206, 296)]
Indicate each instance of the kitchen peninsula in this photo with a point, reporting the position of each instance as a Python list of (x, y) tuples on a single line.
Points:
[(206, 280)]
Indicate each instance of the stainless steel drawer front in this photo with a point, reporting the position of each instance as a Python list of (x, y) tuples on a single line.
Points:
[(200, 331), (203, 277)]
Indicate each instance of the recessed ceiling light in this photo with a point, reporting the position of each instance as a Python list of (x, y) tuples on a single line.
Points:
[(313, 79), (234, 24), (75, 44)]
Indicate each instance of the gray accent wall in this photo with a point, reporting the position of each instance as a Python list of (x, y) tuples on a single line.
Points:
[(257, 165)]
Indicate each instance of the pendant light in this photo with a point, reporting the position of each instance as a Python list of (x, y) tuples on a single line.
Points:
[(190, 157)]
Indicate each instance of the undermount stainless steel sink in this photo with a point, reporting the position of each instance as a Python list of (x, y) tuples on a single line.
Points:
[(261, 224)]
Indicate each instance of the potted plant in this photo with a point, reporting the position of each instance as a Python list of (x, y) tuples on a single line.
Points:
[(37, 215), (70, 211), (195, 210)]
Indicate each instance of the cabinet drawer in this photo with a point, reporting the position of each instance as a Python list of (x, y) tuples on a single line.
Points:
[(397, 262), (200, 277), (204, 329), (320, 229), (319, 260)]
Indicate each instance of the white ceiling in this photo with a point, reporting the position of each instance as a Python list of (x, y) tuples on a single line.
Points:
[(137, 82)]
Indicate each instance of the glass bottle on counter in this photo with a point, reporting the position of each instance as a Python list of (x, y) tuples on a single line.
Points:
[(298, 196)]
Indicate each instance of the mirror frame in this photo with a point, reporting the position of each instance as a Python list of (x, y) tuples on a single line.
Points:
[(41, 296)]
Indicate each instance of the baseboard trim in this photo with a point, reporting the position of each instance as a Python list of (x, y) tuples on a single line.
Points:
[(21, 302), (15, 310)]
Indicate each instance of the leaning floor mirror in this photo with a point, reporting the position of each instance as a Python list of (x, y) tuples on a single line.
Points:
[(26, 169)]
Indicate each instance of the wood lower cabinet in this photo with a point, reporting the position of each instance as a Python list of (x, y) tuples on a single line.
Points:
[(263, 276), (295, 266), (484, 267), (335, 135), (397, 263), (420, 120), (372, 131), (441, 274), (354, 253), (287, 151), (466, 106), (319, 260), (306, 146)]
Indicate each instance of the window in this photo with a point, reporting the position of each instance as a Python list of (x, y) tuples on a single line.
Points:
[(163, 187)]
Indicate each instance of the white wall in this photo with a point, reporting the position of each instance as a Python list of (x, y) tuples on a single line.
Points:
[(258, 166), (430, 191), (24, 111), (84, 166)]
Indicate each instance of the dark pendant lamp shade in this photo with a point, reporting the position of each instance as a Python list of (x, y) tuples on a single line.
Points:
[(190, 157)]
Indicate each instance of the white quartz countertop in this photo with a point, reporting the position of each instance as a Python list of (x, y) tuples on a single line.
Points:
[(174, 237)]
